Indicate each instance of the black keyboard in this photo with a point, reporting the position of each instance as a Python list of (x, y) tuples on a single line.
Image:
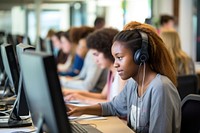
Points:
[(78, 128)]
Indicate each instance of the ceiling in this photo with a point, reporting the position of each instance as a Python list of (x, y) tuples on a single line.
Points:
[(8, 4)]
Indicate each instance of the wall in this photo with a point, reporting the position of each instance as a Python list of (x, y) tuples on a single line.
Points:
[(5, 23)]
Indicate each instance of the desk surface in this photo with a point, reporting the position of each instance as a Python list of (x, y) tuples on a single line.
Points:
[(110, 125)]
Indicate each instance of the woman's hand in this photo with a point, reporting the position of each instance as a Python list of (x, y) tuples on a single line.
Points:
[(74, 110), (66, 92), (74, 96), (77, 111)]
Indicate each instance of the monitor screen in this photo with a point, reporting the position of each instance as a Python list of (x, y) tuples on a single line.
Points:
[(10, 65), (20, 48), (43, 92), (20, 107)]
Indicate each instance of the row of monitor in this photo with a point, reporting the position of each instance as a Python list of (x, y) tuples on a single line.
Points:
[(34, 77)]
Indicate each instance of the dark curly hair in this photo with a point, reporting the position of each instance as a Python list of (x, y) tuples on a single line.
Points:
[(101, 40)]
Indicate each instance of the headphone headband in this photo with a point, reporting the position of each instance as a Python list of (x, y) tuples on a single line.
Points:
[(141, 55)]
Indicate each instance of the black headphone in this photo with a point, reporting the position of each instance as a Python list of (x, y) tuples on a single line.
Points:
[(141, 55)]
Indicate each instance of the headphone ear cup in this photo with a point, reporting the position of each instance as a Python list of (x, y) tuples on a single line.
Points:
[(140, 56), (137, 57)]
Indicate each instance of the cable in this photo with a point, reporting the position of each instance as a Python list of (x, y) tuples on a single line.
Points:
[(138, 78), (142, 93)]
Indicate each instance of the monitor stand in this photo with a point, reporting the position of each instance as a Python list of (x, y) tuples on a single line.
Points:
[(40, 125), (14, 120), (7, 96)]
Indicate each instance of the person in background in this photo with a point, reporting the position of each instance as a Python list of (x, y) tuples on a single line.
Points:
[(166, 23), (184, 64), (91, 77), (100, 43), (99, 23), (56, 43), (149, 100), (50, 33), (78, 41), (69, 50)]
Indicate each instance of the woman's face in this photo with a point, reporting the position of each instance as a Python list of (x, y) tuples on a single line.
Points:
[(82, 49), (101, 60), (66, 45), (56, 42), (124, 63)]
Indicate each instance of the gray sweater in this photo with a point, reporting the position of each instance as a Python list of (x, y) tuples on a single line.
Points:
[(91, 76), (159, 108)]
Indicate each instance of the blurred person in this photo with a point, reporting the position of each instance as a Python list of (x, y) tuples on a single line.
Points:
[(68, 49), (149, 101), (56, 42), (91, 77), (100, 43), (50, 33), (166, 23), (184, 64), (99, 22), (78, 41)]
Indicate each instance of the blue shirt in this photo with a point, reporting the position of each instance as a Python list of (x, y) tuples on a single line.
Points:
[(76, 67)]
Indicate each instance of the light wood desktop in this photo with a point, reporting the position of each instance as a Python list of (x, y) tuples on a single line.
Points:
[(110, 125)]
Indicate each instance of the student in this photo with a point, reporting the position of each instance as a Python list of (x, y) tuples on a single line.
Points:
[(77, 36), (184, 64), (91, 77), (150, 100), (99, 23), (166, 23), (56, 43), (100, 43), (69, 50)]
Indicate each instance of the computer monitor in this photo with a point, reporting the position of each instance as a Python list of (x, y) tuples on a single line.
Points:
[(10, 65), (43, 92), (48, 46), (26, 40), (20, 107), (21, 48)]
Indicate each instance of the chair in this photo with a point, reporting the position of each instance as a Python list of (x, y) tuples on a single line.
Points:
[(190, 107), (187, 84)]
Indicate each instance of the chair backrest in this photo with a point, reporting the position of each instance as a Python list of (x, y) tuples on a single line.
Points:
[(187, 84), (190, 107)]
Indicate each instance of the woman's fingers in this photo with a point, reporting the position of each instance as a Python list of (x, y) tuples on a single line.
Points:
[(74, 110)]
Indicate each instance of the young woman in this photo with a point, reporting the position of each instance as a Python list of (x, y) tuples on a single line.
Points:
[(184, 64), (77, 37), (100, 43), (149, 100), (69, 50)]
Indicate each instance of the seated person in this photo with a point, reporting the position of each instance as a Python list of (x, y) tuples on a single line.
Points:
[(57, 47), (149, 101), (79, 50), (91, 78), (166, 23), (68, 49), (100, 43), (99, 22), (184, 64)]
